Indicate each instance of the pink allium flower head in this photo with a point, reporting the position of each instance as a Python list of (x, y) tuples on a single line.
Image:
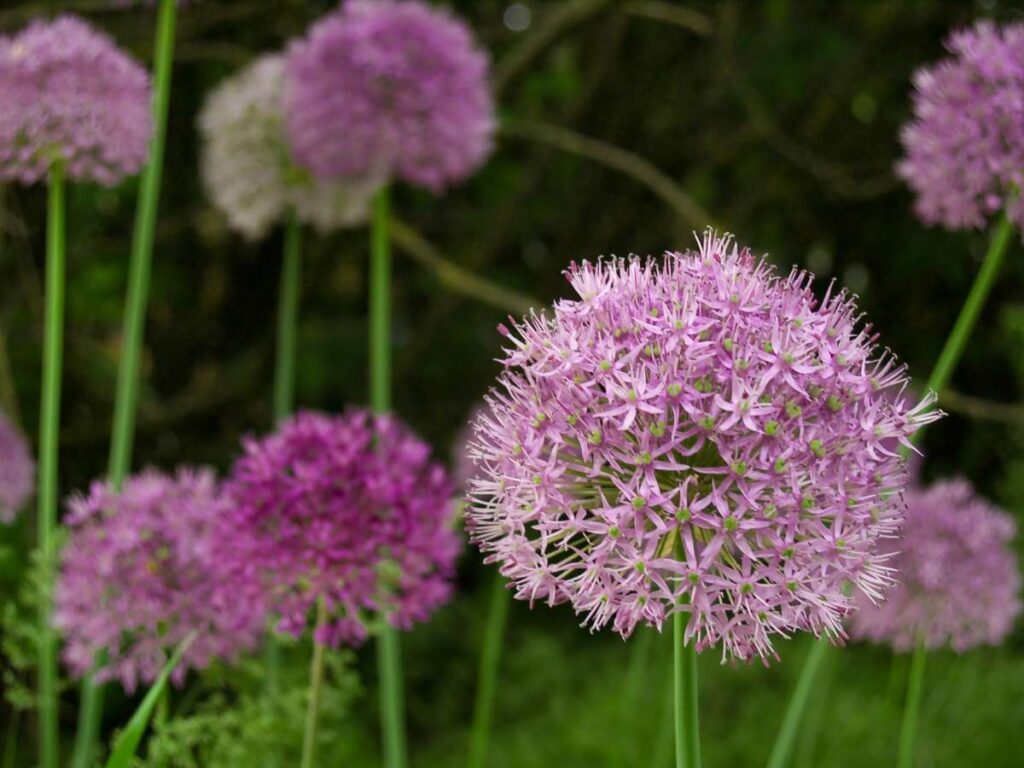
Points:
[(965, 145), (694, 434), (142, 570), (247, 168), (957, 578), (67, 91), (346, 509), (17, 470), (396, 87)]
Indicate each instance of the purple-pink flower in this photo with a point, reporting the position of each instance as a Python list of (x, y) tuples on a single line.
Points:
[(143, 570), (17, 470), (349, 510), (964, 147), (957, 580), (694, 434), (67, 91), (390, 87)]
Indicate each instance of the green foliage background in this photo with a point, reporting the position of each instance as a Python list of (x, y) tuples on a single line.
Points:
[(776, 120)]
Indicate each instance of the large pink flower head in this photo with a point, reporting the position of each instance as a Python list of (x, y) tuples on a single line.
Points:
[(349, 510), (17, 470), (67, 91), (965, 145), (143, 570), (957, 578), (694, 435), (393, 87)]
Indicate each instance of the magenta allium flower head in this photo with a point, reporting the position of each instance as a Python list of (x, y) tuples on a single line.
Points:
[(17, 470), (349, 510), (965, 145), (958, 583), (694, 434), (142, 570), (393, 87), (66, 90)]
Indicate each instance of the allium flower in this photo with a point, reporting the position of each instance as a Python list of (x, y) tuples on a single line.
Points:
[(957, 575), (142, 570), (247, 168), (349, 510), (965, 145), (397, 87), (17, 470), (694, 434), (67, 91)]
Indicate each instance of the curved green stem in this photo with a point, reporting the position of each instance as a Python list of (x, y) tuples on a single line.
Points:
[(684, 687), (49, 436), (783, 748), (126, 397), (487, 676), (912, 707), (316, 679)]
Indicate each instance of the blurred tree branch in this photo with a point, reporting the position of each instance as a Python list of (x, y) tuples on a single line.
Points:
[(616, 158), (978, 408), (670, 13)]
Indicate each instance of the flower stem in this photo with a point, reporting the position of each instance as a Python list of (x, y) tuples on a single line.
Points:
[(487, 676), (912, 707), (287, 320), (316, 680), (684, 684), (389, 649), (49, 435), (126, 397), (783, 748)]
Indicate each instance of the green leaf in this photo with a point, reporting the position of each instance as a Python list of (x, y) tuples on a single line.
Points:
[(128, 740)]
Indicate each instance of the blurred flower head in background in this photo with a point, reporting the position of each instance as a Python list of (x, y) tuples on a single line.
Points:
[(247, 168), (142, 570), (398, 88), (694, 434), (965, 144), (17, 470), (958, 583), (349, 510), (67, 91)]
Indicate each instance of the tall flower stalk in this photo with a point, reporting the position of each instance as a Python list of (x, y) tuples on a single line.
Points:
[(139, 268), (487, 674)]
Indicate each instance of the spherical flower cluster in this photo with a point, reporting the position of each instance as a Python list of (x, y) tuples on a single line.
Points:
[(17, 470), (247, 168), (694, 435), (142, 571), (965, 145), (390, 86), (957, 578), (67, 91), (348, 510)]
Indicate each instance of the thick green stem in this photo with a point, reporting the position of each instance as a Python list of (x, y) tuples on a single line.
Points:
[(783, 748), (487, 675), (287, 320), (126, 397), (684, 696), (49, 436), (912, 707), (389, 649), (316, 680)]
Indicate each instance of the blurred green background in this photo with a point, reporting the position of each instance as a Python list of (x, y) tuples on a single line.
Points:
[(625, 126)]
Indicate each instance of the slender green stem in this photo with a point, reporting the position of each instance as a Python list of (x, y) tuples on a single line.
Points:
[(783, 748), (487, 676), (389, 649), (126, 396), (287, 320), (912, 707), (684, 688), (316, 680), (808, 742), (49, 435)]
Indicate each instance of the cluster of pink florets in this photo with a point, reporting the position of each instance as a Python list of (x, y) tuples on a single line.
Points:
[(143, 571), (695, 434), (957, 580), (17, 470), (349, 510), (68, 92)]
